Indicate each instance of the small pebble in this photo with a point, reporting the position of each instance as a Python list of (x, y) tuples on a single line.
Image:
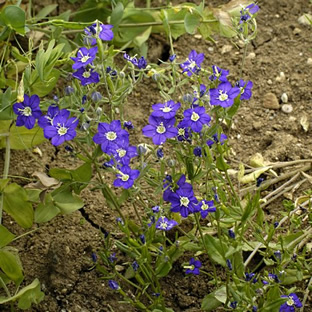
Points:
[(281, 77), (284, 98), (210, 49), (198, 36), (251, 55), (304, 19), (309, 61), (296, 31), (226, 49), (270, 101), (269, 82), (287, 108)]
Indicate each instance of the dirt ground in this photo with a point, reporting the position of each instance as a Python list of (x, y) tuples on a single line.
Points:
[(59, 253)]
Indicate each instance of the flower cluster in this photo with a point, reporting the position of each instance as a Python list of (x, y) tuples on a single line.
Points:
[(114, 141), (140, 63), (193, 64)]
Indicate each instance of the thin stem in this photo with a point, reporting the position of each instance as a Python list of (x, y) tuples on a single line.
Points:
[(5, 171), (243, 60), (306, 295), (2, 283)]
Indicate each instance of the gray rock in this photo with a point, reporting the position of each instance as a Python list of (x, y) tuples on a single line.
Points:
[(270, 101)]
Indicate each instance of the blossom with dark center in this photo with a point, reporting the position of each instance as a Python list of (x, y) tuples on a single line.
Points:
[(86, 76), (113, 285), (84, 57), (27, 111), (215, 138), (183, 199), (205, 207), (224, 94), (193, 64), (62, 129), (111, 136), (219, 74), (102, 31), (53, 110), (194, 267), (292, 302), (196, 117), (125, 177), (166, 110), (160, 129), (165, 224), (245, 89)]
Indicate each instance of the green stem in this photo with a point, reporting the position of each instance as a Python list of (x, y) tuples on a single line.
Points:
[(2, 283), (243, 60), (5, 171)]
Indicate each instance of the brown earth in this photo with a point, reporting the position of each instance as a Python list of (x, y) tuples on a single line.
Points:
[(59, 253)]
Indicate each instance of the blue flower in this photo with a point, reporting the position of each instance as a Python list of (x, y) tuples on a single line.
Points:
[(166, 110), (47, 120), (112, 257), (197, 151), (160, 153), (196, 117), (27, 111), (292, 302), (194, 267), (229, 264), (111, 136), (215, 138), (123, 153), (160, 129), (204, 207), (84, 57), (231, 234), (104, 32), (165, 224), (184, 131), (125, 177), (141, 63), (86, 76), (113, 285), (245, 88), (172, 57), (135, 266), (233, 304), (193, 63), (246, 13), (183, 199), (219, 74), (62, 129), (224, 94), (128, 125)]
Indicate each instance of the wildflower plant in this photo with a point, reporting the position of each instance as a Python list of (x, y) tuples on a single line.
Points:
[(178, 175)]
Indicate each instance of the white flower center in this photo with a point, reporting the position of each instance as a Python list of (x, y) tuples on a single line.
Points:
[(111, 135), (86, 74), (184, 201), (85, 58), (124, 177), (290, 302), (26, 111), (62, 130), (181, 131), (163, 225), (223, 96), (121, 152), (242, 90), (192, 65), (194, 116), (166, 109), (161, 129), (204, 206)]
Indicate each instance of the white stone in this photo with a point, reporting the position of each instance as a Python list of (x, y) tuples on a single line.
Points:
[(251, 55), (304, 19), (287, 108), (226, 49), (309, 61), (284, 98)]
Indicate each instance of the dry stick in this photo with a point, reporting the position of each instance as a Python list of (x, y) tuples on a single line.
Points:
[(266, 237), (306, 295), (276, 180), (293, 186)]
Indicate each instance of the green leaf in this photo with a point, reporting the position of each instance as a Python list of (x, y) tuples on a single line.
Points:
[(214, 250), (60, 174), (273, 306), (215, 299), (20, 137), (14, 17), (46, 210), (16, 204), (30, 296), (292, 276), (163, 268), (116, 16), (46, 11), (10, 265), (143, 37), (238, 264), (6, 236), (191, 22), (36, 295), (66, 201), (6, 110)]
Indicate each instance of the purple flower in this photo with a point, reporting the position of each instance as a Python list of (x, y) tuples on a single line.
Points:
[(274, 277), (47, 119), (204, 207), (219, 73), (135, 266), (62, 128), (247, 12), (194, 266), (126, 177), (128, 125), (27, 111), (160, 153), (113, 285), (160, 129), (96, 96), (192, 64), (104, 32), (124, 153), (200, 94), (84, 57), (86, 76), (184, 132), (215, 138), (292, 302), (141, 63), (142, 239), (233, 304), (245, 89), (224, 94), (112, 257), (166, 110), (231, 234), (165, 224), (197, 151), (172, 57), (196, 117), (111, 136), (249, 277), (155, 209), (183, 199)]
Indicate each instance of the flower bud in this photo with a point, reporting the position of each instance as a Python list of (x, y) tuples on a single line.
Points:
[(96, 96), (99, 111), (69, 90)]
